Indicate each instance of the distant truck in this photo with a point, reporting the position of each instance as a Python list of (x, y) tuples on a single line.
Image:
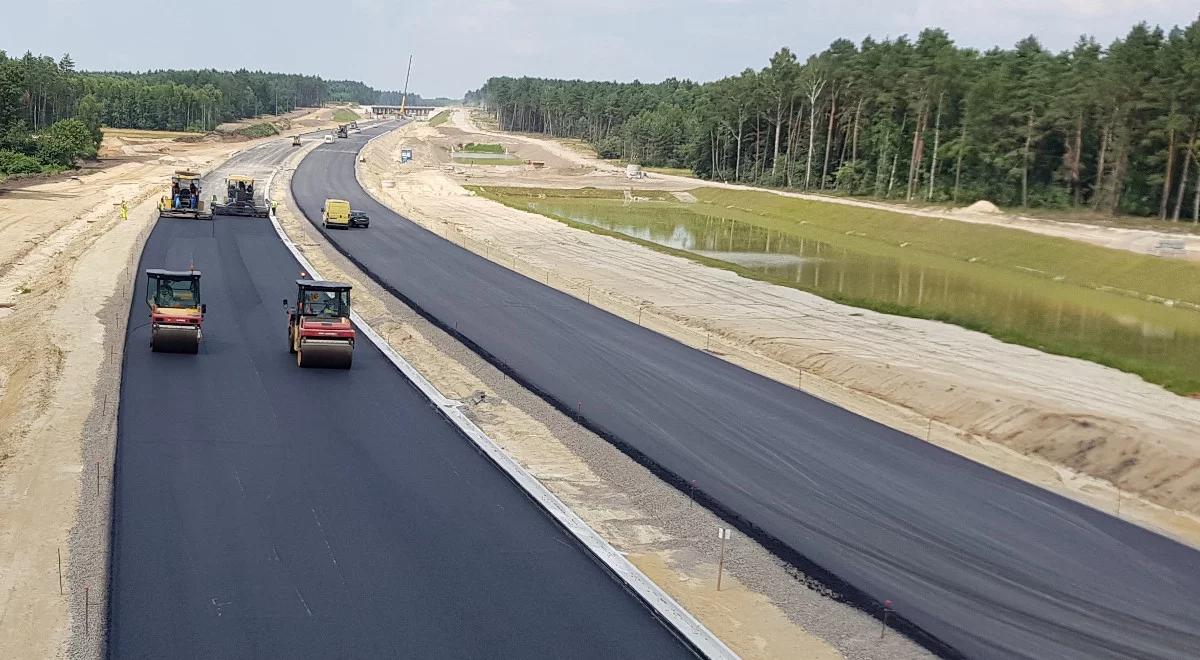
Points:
[(342, 132)]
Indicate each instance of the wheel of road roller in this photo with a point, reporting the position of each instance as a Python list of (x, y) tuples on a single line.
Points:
[(175, 340), (291, 341), (325, 355)]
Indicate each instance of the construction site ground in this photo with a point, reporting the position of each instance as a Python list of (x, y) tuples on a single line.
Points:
[(1092, 433), (66, 265)]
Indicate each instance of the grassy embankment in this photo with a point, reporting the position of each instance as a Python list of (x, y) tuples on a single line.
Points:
[(258, 130), (476, 148), (440, 118), (1001, 261), (343, 115)]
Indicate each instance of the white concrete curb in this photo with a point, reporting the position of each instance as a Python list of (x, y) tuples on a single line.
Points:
[(682, 621)]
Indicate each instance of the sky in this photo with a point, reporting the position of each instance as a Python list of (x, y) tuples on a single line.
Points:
[(458, 44)]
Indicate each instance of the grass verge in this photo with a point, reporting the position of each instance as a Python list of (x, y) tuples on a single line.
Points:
[(475, 148), (440, 118), (1104, 279), (344, 115), (258, 130), (488, 161)]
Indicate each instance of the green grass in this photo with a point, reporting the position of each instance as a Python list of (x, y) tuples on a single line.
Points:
[(1073, 261), (488, 161), (258, 130), (344, 115), (674, 171), (997, 261), (474, 148), (440, 118)]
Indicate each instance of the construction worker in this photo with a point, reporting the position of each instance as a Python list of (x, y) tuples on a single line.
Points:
[(274, 206), (124, 210)]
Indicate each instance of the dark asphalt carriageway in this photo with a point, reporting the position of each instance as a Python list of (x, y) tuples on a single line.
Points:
[(989, 565), (263, 510)]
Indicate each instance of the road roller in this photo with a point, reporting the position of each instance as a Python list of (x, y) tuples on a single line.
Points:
[(319, 329), (176, 313)]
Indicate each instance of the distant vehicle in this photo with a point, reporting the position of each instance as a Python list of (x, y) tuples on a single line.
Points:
[(335, 213), (329, 139), (341, 131), (359, 219), (295, 140)]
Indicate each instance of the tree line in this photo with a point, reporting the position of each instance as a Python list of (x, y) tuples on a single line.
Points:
[(51, 114), (1111, 128)]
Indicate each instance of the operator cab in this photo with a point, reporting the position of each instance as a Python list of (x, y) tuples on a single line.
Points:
[(171, 289), (322, 299)]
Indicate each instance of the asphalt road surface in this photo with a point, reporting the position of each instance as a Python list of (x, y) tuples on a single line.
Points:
[(263, 510), (986, 564)]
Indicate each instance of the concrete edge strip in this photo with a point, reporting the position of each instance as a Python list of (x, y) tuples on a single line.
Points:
[(667, 608)]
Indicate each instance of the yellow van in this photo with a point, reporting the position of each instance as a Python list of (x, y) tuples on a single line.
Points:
[(336, 213)]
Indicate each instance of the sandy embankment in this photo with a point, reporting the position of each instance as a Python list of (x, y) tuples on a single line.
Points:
[(762, 610), (1068, 425), (66, 266)]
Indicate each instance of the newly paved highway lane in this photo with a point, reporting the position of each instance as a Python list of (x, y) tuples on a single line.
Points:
[(267, 511), (989, 565)]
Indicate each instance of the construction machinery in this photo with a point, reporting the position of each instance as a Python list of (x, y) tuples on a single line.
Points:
[(319, 328), (295, 140), (240, 198), (176, 313), (341, 131), (184, 200)]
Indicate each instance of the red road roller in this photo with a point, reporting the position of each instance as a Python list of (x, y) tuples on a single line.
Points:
[(319, 329)]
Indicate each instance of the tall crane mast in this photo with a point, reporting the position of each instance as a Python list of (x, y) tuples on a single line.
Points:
[(404, 99)]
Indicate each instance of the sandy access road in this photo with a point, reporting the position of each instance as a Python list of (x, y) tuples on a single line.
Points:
[(1070, 426), (66, 264)]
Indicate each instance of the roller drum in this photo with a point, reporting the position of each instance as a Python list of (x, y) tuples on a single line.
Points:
[(175, 339), (325, 354)]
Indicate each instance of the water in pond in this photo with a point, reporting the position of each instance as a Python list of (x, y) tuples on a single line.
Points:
[(1036, 309)]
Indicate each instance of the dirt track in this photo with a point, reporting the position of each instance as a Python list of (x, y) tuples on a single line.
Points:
[(1068, 425), (66, 261)]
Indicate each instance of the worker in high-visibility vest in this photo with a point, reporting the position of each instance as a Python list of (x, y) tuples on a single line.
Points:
[(274, 206), (124, 210)]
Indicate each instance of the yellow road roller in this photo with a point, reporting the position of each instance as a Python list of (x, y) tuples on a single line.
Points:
[(176, 313)]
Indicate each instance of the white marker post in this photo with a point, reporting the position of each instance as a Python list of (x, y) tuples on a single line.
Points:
[(723, 534)]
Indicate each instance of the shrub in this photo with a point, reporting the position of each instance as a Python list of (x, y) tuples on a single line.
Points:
[(258, 130), (12, 162)]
